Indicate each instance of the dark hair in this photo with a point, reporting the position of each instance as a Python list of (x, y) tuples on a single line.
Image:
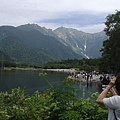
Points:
[(117, 83)]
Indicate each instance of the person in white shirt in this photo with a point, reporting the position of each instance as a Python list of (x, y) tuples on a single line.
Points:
[(112, 103)]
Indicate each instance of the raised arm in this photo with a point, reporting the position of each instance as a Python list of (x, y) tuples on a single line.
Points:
[(105, 91)]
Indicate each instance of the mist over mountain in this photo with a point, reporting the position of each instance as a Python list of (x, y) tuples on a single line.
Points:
[(31, 43)]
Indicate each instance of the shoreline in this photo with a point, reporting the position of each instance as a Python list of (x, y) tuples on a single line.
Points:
[(52, 70), (60, 70)]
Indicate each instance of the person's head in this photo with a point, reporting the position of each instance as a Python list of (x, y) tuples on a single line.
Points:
[(117, 84)]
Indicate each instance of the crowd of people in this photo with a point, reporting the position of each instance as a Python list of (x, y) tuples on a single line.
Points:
[(83, 76)]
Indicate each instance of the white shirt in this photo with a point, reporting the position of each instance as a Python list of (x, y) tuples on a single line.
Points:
[(113, 103)]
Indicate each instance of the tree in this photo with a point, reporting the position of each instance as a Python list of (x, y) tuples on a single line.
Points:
[(111, 47)]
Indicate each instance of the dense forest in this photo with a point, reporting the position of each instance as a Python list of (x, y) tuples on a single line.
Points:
[(83, 64)]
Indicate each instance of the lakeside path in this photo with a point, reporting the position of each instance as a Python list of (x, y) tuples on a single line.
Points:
[(60, 70), (54, 70)]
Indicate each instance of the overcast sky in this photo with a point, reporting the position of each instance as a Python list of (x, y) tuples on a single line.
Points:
[(85, 15)]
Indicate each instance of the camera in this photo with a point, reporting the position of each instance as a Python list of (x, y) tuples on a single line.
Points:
[(105, 79)]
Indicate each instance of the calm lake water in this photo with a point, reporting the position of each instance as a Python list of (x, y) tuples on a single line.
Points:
[(31, 81)]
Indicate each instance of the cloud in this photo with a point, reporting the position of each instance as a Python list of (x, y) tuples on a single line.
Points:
[(82, 21), (93, 28), (87, 14), (76, 18)]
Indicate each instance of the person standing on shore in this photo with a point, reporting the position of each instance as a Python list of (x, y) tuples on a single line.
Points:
[(112, 103)]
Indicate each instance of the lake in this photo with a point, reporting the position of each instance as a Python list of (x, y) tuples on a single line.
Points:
[(31, 81)]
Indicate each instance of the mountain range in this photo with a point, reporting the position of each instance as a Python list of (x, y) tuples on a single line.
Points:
[(31, 43)]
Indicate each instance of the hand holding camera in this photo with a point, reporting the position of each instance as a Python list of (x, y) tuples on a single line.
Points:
[(112, 81)]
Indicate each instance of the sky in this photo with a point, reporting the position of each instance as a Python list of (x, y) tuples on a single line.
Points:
[(84, 15)]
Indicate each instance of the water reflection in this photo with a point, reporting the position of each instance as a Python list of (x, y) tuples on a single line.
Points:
[(32, 82), (86, 88), (29, 79)]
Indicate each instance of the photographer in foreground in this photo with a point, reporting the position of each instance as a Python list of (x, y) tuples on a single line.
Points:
[(112, 103)]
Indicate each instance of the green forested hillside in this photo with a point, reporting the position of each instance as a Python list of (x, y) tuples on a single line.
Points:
[(35, 44), (19, 52), (39, 39), (32, 46), (4, 57)]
